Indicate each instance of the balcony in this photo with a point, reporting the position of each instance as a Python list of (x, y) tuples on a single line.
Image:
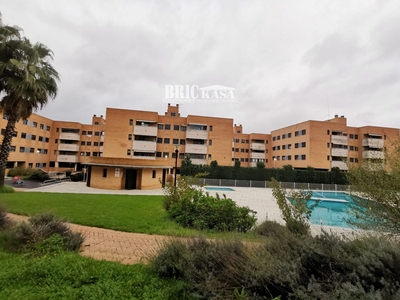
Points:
[(68, 147), (69, 136), (196, 134), (144, 157), (144, 146), (102, 138), (370, 154), (257, 155), (198, 149), (373, 143), (253, 164), (339, 152), (145, 130), (101, 149), (198, 161), (339, 164), (67, 158), (339, 140), (257, 146)]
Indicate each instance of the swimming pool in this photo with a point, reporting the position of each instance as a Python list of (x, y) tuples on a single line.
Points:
[(332, 209), (222, 189)]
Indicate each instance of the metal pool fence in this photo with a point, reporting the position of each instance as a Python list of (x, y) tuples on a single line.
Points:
[(266, 184)]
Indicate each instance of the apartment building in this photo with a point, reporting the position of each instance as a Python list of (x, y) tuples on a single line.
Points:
[(136, 149)]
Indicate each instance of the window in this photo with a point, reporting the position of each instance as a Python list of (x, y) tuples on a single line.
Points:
[(209, 156), (247, 150), (356, 160), (242, 141), (351, 136), (88, 143), (327, 157), (327, 132), (33, 137), (327, 145), (160, 126), (32, 150), (21, 149), (236, 149), (84, 132), (167, 127), (101, 143), (34, 124), (23, 135), (238, 131), (211, 128), (128, 152), (95, 143), (48, 128), (351, 148), (96, 123), (246, 160), (40, 139), (12, 148), (30, 165), (104, 173), (242, 150), (41, 126), (181, 155), (57, 129), (356, 138), (159, 140), (130, 137), (130, 121), (237, 141), (210, 142), (154, 174), (25, 122), (96, 133), (83, 143), (175, 141), (55, 151), (182, 142), (242, 159), (82, 153), (158, 154), (166, 140), (183, 128), (355, 148), (165, 154), (247, 141), (176, 127), (87, 153), (351, 159), (303, 144)]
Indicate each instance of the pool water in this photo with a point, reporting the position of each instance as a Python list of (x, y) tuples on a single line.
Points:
[(332, 209), (209, 188)]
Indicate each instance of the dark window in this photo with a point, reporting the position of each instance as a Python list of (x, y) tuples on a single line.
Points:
[(211, 128), (101, 143), (160, 126), (165, 154), (84, 132), (242, 150), (87, 153), (56, 141), (95, 143), (167, 127), (327, 157), (130, 137), (52, 164), (236, 149), (181, 155), (158, 154), (327, 145), (33, 137), (175, 141), (247, 150), (159, 140), (327, 132), (351, 136), (128, 152), (96, 133), (166, 140), (57, 129), (154, 174), (32, 150), (130, 121), (183, 128), (172, 115), (176, 127), (89, 144), (356, 138), (89, 133), (210, 142), (209, 156), (104, 172), (236, 140), (83, 143), (96, 123), (182, 142)]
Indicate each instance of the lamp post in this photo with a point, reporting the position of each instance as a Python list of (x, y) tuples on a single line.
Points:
[(176, 162)]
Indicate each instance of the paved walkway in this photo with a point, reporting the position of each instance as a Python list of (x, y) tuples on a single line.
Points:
[(122, 247)]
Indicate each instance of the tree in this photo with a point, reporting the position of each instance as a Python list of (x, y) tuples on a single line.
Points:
[(260, 165), (375, 187), (27, 81)]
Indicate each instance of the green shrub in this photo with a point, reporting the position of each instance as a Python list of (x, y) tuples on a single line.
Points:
[(27, 236), (293, 267), (6, 189), (20, 171), (271, 229), (77, 176), (39, 175)]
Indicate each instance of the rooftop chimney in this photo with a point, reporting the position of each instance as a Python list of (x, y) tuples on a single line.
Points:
[(336, 116)]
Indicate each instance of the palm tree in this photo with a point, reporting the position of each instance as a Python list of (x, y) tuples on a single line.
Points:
[(27, 81)]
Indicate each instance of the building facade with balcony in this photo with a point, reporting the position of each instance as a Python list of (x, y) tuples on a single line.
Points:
[(136, 149)]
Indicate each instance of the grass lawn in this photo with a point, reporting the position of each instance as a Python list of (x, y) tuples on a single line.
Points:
[(142, 214), (70, 276)]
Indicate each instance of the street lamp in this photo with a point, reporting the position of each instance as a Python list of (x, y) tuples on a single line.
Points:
[(176, 162)]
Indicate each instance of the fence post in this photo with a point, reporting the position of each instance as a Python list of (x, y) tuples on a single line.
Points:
[(335, 187), (294, 185), (220, 182), (235, 182), (308, 185), (265, 184), (322, 186), (250, 183)]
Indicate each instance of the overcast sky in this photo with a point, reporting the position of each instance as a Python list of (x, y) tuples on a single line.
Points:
[(289, 61)]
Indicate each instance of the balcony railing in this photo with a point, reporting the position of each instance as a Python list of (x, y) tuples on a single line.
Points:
[(198, 149), (257, 155), (145, 146), (197, 161), (257, 146), (370, 154), (339, 140), (68, 147), (69, 136), (197, 134), (253, 164), (339, 164), (373, 143), (339, 152), (145, 130), (67, 158)]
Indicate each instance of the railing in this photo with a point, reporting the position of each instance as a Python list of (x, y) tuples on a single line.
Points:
[(55, 180), (267, 184)]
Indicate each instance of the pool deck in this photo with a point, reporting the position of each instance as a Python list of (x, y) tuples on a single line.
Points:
[(260, 200)]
